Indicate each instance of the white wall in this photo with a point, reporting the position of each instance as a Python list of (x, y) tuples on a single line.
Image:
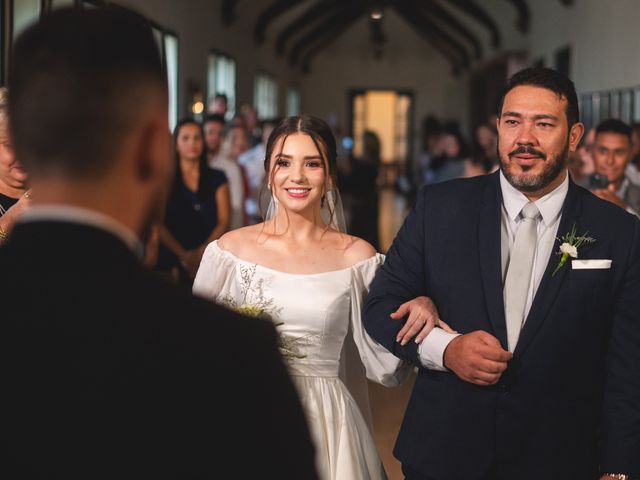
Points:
[(603, 35)]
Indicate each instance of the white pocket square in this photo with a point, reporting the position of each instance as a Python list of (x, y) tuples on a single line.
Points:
[(590, 264)]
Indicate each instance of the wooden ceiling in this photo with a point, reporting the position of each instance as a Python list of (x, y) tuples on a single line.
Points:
[(444, 24)]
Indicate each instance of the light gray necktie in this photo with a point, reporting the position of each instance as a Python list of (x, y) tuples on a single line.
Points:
[(516, 284)]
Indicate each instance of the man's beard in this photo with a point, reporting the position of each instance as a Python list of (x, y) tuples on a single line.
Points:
[(528, 182)]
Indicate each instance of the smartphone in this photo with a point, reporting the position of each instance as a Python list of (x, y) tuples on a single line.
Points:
[(598, 181)]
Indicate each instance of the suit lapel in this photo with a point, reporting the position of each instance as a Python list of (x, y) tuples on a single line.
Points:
[(489, 245), (550, 285)]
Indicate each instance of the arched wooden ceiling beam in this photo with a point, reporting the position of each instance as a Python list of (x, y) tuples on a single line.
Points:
[(479, 14), (435, 10), (309, 17), (274, 10), (522, 22), (326, 29), (436, 43), (320, 45), (425, 25), (228, 11)]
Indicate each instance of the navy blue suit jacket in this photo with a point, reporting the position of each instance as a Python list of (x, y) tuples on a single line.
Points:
[(569, 402)]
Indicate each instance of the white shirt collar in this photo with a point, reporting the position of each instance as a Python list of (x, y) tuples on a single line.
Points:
[(550, 205), (84, 216)]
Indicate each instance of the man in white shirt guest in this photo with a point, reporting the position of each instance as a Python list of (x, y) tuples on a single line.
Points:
[(612, 154), (234, 144)]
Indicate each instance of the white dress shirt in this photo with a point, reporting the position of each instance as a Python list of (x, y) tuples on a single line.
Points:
[(432, 348), (253, 162)]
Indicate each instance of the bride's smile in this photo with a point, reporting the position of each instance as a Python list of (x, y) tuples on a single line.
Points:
[(298, 174)]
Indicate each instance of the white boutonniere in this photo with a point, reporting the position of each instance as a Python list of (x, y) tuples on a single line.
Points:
[(569, 246)]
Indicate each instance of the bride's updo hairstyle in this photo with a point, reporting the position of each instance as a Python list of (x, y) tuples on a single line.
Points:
[(320, 132)]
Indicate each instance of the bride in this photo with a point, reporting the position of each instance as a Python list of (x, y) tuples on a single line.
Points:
[(298, 269)]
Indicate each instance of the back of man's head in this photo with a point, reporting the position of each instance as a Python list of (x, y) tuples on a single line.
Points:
[(613, 125), (80, 80), (551, 80)]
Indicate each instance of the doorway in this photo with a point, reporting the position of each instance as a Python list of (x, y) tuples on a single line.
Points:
[(387, 113)]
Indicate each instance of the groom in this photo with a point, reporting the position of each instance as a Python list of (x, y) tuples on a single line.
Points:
[(107, 371), (543, 379)]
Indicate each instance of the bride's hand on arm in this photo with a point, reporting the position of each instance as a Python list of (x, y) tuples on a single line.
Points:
[(422, 318)]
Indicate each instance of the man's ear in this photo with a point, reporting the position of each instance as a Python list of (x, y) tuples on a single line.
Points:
[(153, 156), (575, 134)]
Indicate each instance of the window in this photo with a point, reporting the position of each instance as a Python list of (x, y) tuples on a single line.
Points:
[(293, 101), (221, 78), (171, 62), (53, 4), (25, 13), (265, 96)]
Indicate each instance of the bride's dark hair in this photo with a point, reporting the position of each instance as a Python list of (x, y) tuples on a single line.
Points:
[(320, 132)]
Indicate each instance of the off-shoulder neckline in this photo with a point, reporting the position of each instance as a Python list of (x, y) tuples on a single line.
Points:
[(238, 259)]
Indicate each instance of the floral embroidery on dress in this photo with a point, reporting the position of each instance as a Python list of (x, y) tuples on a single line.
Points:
[(255, 303)]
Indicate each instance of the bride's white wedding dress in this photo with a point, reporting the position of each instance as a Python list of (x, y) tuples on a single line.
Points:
[(317, 315)]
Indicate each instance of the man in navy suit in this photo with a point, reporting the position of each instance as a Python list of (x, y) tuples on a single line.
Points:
[(542, 378)]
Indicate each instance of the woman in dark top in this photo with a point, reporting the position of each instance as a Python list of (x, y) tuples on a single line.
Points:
[(198, 210), (15, 196)]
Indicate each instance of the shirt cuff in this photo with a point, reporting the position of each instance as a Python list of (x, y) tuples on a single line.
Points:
[(431, 350)]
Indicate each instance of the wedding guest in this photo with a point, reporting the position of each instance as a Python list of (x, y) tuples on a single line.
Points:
[(107, 371), (198, 210), (234, 144), (252, 124), (218, 105), (15, 196), (611, 155), (633, 168), (252, 161), (301, 270), (484, 158), (362, 187), (213, 127), (450, 163), (581, 164)]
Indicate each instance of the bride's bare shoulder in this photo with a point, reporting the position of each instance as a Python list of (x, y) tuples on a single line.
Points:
[(240, 240), (357, 250)]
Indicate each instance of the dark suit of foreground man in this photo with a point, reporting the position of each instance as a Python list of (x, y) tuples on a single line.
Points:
[(566, 405), (107, 371)]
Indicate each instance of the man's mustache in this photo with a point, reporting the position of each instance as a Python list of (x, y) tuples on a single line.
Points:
[(527, 150)]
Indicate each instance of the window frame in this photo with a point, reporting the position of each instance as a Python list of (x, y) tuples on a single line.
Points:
[(232, 99)]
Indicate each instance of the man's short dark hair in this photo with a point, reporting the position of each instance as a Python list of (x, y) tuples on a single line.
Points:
[(223, 96), (613, 125), (551, 80), (79, 81), (215, 118)]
